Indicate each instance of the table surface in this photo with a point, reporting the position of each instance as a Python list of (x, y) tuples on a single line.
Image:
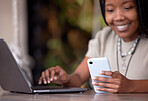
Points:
[(85, 96)]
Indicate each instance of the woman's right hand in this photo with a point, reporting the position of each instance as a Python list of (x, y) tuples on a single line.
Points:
[(54, 74)]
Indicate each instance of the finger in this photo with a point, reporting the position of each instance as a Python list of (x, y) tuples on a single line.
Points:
[(63, 76), (52, 74), (106, 85), (105, 79), (56, 77), (61, 73), (47, 74), (108, 73), (117, 74), (55, 73), (58, 69), (40, 81), (44, 78), (107, 90)]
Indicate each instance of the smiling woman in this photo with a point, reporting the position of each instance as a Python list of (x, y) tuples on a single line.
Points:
[(141, 10), (123, 42), (121, 16)]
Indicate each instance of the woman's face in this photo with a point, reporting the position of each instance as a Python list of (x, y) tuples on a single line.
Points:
[(121, 16)]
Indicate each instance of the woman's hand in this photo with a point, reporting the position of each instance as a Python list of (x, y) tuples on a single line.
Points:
[(117, 84), (54, 74)]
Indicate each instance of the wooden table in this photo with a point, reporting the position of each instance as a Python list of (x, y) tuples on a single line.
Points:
[(85, 96)]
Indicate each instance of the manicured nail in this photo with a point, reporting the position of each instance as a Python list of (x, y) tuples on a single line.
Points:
[(94, 78), (51, 79), (40, 82), (101, 72), (93, 83), (48, 81), (45, 82), (55, 78)]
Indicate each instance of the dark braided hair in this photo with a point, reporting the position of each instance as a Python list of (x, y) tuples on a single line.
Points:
[(142, 11)]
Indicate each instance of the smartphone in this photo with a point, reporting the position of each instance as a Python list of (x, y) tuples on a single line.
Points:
[(95, 66)]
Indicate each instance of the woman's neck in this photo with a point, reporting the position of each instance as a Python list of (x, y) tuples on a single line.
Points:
[(130, 38)]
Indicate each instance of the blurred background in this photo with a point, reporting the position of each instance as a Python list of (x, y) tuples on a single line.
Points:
[(59, 31), (51, 32)]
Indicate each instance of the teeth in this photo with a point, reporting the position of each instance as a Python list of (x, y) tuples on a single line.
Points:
[(123, 26)]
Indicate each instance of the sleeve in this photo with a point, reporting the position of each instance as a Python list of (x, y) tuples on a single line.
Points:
[(97, 45), (93, 47)]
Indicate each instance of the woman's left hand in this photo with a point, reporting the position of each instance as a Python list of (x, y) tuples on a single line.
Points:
[(117, 84)]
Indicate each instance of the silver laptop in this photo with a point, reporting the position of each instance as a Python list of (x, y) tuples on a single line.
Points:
[(13, 79)]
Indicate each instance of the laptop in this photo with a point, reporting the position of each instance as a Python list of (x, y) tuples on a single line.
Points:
[(13, 79)]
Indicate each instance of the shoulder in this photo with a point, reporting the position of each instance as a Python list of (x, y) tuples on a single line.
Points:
[(143, 42), (103, 38), (105, 31), (105, 34)]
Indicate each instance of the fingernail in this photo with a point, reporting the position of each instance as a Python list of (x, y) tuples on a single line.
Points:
[(55, 78), (94, 78), (101, 72), (51, 79), (40, 82), (48, 81), (93, 83), (45, 82)]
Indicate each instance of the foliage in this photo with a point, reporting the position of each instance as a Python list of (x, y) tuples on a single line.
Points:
[(69, 27)]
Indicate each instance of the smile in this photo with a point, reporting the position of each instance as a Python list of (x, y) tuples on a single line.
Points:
[(122, 27)]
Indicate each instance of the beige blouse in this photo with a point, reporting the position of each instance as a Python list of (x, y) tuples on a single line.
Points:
[(105, 45)]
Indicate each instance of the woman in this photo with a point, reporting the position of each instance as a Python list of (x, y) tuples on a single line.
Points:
[(124, 43)]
